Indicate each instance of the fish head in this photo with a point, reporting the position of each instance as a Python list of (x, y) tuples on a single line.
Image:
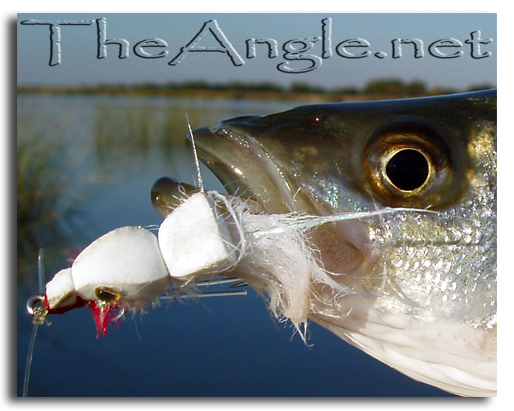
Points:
[(420, 174)]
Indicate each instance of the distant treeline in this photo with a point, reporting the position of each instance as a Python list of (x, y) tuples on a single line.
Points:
[(375, 89)]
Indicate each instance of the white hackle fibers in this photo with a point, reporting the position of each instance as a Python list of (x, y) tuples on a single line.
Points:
[(273, 253)]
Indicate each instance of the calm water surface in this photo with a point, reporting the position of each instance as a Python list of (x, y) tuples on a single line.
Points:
[(85, 166)]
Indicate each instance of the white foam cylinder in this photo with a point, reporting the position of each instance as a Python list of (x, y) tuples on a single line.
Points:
[(127, 259), (60, 291), (195, 239)]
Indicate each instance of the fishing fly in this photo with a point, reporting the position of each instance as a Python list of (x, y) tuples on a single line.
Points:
[(200, 243)]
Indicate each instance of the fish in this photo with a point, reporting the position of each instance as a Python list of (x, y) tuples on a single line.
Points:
[(424, 273)]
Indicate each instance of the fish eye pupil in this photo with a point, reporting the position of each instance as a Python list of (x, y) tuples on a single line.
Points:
[(407, 169)]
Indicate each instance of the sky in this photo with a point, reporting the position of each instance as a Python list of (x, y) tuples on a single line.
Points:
[(340, 50)]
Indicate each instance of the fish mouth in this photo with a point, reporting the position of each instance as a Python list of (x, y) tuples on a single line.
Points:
[(245, 168), (251, 171)]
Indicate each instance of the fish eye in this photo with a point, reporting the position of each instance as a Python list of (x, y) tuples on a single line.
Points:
[(107, 294), (407, 164)]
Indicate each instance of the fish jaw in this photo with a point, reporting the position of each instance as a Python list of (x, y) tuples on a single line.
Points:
[(451, 356), (285, 163)]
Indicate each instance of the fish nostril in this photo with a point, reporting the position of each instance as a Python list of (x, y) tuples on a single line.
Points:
[(407, 170)]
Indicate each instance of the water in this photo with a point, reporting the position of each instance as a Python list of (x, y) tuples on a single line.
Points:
[(90, 170)]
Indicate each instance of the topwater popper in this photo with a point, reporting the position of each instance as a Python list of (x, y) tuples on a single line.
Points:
[(376, 220)]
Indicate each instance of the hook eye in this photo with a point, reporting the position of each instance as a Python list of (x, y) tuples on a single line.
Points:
[(36, 308), (35, 303)]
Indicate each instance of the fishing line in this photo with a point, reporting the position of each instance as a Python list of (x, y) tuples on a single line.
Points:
[(28, 361), (197, 162), (39, 314)]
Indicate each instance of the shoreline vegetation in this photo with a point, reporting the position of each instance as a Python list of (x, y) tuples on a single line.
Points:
[(380, 89)]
